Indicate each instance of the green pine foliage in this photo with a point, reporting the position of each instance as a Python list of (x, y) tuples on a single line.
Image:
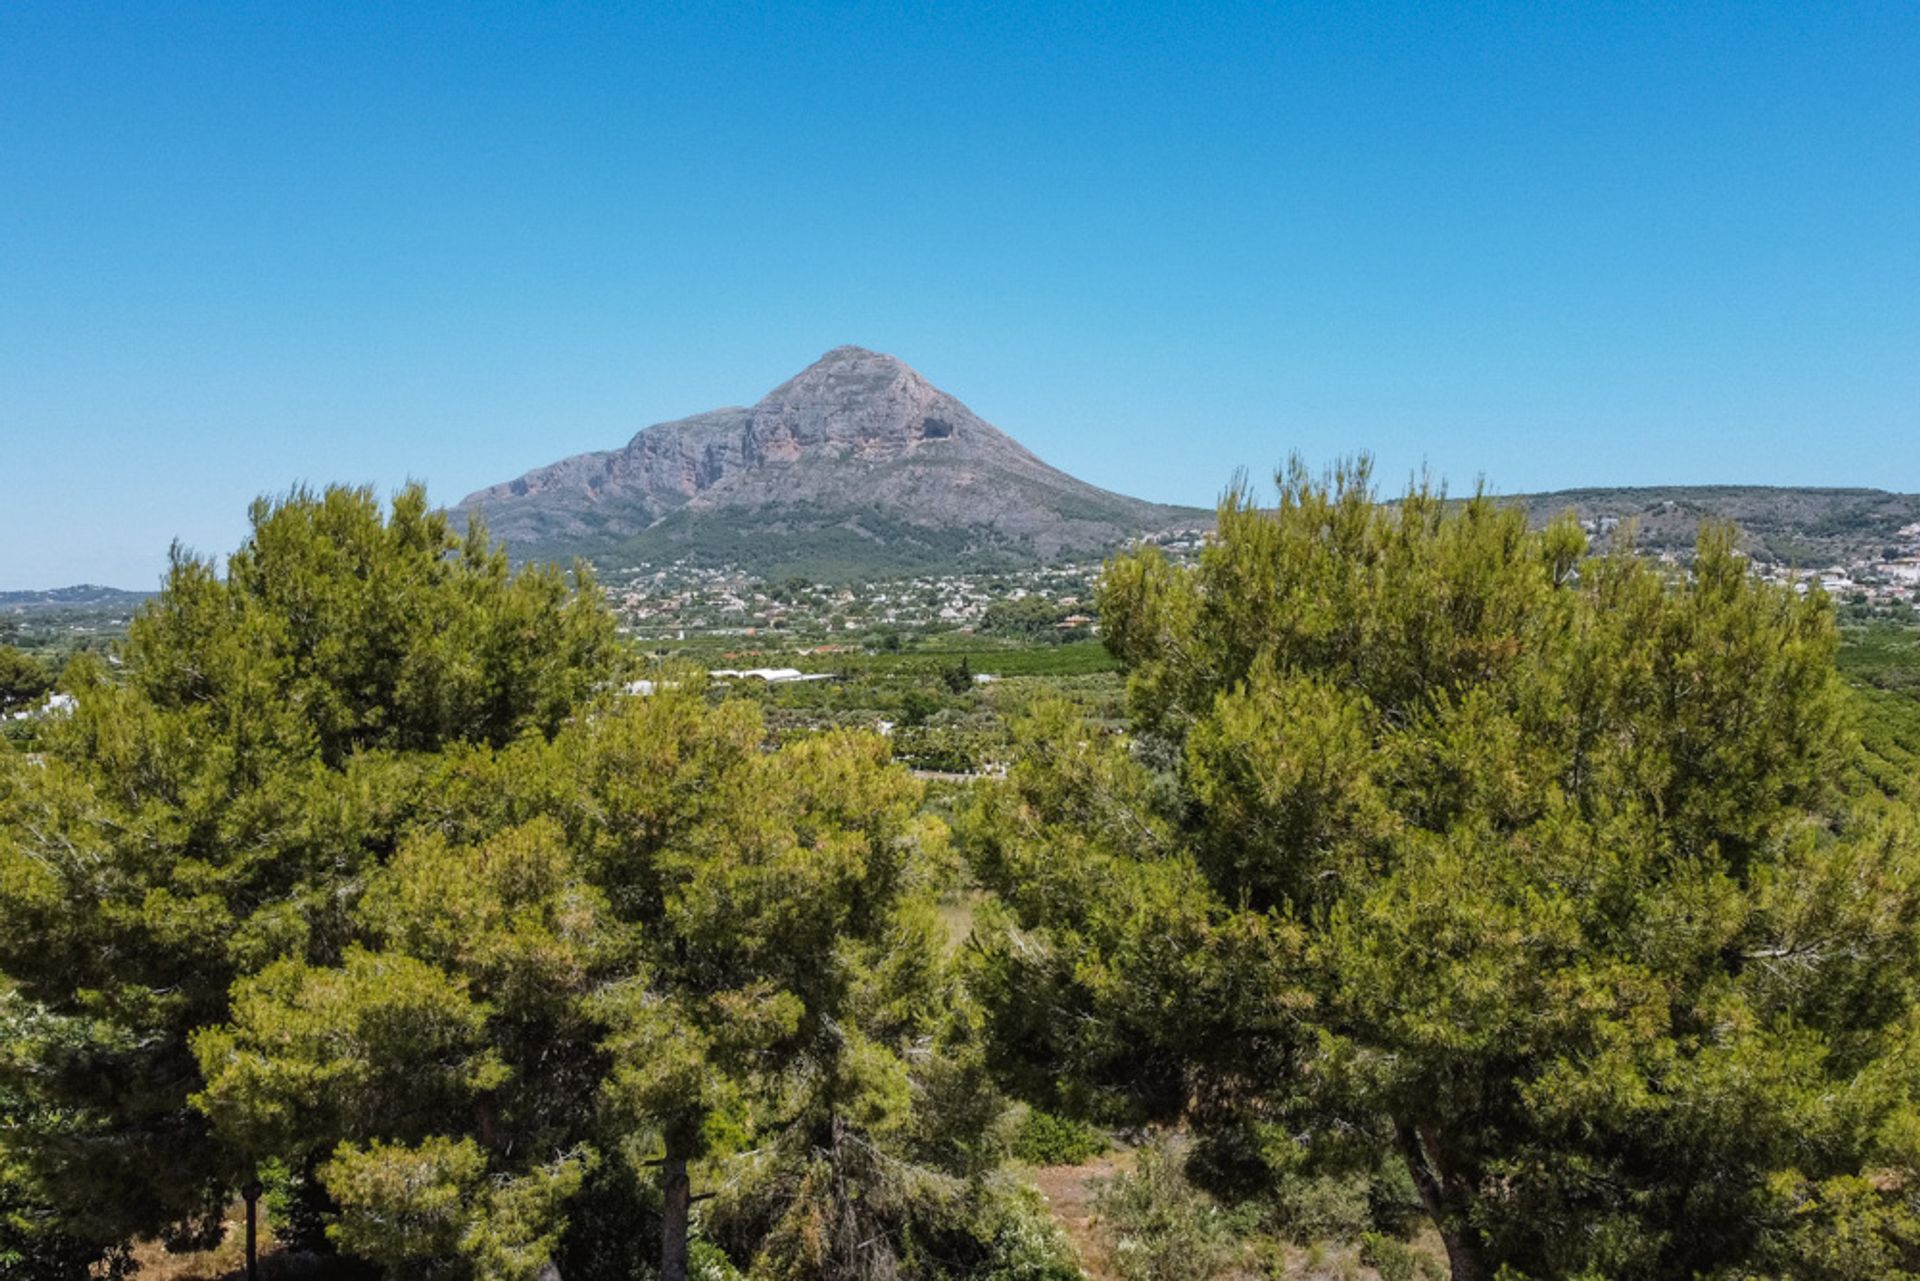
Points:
[(24, 679), (1442, 872), (35, 1244), (210, 811), (362, 872), (1437, 839)]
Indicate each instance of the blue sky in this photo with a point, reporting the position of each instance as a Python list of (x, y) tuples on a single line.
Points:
[(1555, 245)]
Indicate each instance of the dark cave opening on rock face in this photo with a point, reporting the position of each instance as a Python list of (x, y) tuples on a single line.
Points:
[(935, 429)]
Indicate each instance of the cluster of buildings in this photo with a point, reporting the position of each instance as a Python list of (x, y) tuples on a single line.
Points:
[(674, 601), (56, 705), (1892, 578), (1886, 575), (664, 602)]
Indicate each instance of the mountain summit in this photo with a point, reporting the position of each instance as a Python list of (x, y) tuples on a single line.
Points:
[(855, 466)]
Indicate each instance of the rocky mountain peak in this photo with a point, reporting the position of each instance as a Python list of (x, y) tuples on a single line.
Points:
[(849, 362), (861, 400), (856, 463), (844, 376)]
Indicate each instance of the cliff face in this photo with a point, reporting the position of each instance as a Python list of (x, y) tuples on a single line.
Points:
[(856, 458)]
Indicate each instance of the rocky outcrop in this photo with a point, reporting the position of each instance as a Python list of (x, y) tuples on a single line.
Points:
[(856, 449)]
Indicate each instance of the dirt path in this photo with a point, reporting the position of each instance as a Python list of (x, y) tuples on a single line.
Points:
[(1069, 1191)]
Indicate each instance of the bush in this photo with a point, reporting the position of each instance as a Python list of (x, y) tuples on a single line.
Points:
[(613, 1228), (1329, 1207), (1023, 1241), (1162, 1227), (1046, 1139), (1393, 1204), (708, 1262), (24, 679), (1393, 1260)]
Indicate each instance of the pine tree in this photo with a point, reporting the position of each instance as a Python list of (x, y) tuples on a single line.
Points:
[(206, 816), (1436, 836), (649, 950), (24, 679)]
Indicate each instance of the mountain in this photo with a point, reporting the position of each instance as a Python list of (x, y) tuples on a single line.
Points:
[(88, 596), (857, 466), (1804, 527)]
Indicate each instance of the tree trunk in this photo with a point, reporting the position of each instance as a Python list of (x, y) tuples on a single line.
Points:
[(677, 1201), (251, 1192), (1443, 1205)]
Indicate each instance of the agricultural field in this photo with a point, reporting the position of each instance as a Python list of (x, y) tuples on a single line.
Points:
[(53, 626), (1882, 663), (944, 699)]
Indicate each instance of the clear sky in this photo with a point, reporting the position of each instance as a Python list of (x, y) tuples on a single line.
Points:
[(1552, 244)]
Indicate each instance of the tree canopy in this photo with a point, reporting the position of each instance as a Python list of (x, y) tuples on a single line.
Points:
[(648, 943), (364, 868), (210, 810), (1434, 844), (1436, 836), (24, 679)]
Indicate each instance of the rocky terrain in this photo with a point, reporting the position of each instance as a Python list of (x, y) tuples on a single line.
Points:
[(855, 467)]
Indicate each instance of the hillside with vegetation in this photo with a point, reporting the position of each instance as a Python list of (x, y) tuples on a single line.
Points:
[(1808, 528)]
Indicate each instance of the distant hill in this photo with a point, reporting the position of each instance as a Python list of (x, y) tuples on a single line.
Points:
[(855, 467), (1809, 528), (85, 596)]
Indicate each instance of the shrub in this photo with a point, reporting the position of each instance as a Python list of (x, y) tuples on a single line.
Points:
[(1392, 1259), (1046, 1139), (1023, 1241), (1323, 1207), (1163, 1228)]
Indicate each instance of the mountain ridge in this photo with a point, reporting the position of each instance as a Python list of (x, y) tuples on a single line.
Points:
[(858, 467), (1805, 526), (857, 463), (77, 596)]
